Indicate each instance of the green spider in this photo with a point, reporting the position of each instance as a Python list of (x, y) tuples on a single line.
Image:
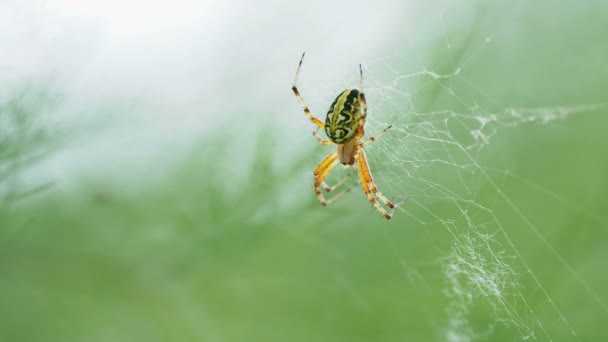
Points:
[(344, 127)]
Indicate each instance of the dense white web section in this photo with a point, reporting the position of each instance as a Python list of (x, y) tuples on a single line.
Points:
[(436, 158)]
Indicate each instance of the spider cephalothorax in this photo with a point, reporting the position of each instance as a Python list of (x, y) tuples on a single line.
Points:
[(344, 127)]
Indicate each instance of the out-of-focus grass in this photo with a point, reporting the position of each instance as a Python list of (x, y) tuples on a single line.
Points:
[(184, 261), (182, 258), (24, 139)]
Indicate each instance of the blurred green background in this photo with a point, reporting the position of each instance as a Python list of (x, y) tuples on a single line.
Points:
[(500, 115)]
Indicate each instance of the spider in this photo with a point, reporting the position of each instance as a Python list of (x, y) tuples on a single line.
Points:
[(344, 127)]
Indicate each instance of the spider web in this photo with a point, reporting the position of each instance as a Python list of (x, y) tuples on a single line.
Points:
[(449, 150), (439, 157), (439, 160)]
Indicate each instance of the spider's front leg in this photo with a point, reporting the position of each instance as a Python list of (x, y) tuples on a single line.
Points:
[(294, 88)]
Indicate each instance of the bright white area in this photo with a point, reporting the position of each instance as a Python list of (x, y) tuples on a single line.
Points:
[(158, 74)]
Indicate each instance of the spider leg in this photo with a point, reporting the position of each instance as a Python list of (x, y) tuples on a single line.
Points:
[(312, 118), (339, 195), (369, 141), (321, 172), (335, 186), (320, 139), (363, 108), (365, 175), (372, 139), (361, 78), (370, 189)]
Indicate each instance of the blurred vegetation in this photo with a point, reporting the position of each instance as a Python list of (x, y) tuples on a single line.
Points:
[(24, 139)]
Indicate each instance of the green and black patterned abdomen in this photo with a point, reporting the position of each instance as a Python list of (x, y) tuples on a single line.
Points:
[(343, 117)]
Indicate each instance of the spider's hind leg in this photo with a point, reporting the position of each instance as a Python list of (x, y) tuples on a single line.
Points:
[(337, 185), (370, 189), (321, 172)]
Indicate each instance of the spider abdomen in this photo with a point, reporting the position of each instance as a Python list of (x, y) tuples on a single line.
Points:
[(343, 117)]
